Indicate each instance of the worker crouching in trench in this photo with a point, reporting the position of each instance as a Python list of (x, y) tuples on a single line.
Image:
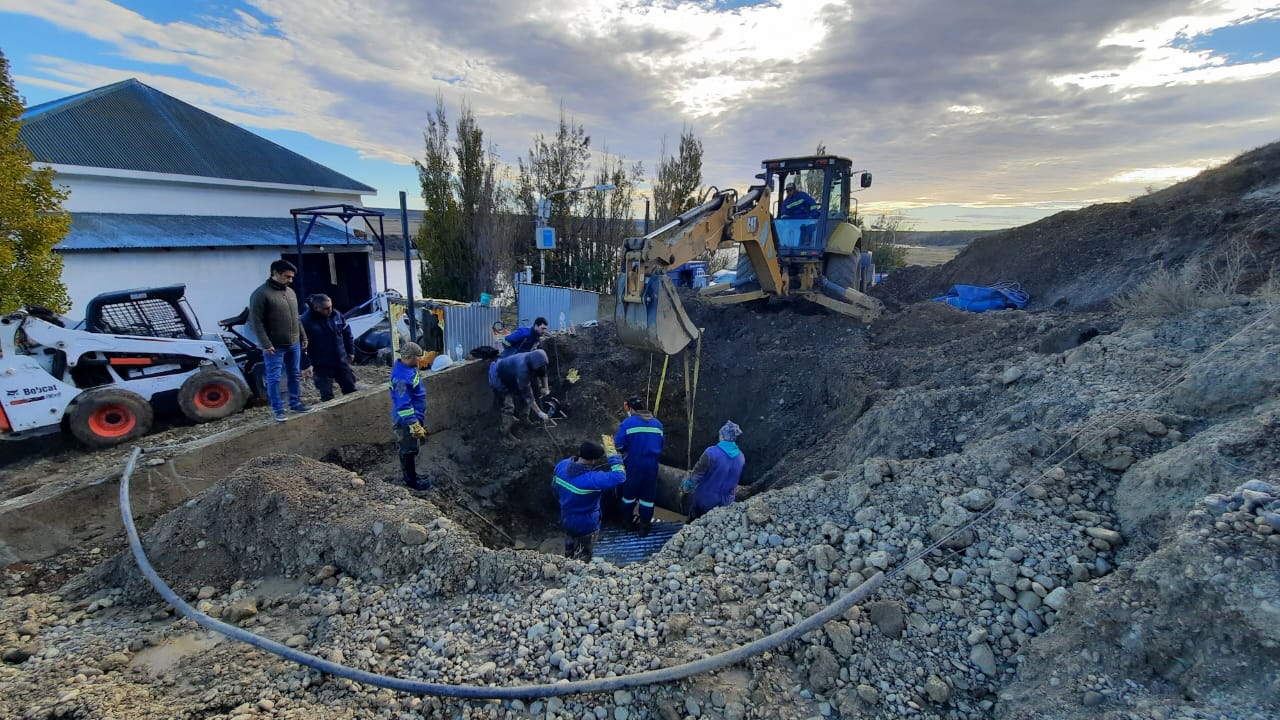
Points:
[(523, 379)]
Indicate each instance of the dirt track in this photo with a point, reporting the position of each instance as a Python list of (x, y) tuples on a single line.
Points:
[(1119, 474)]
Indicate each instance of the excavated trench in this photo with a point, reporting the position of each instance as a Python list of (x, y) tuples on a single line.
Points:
[(784, 394)]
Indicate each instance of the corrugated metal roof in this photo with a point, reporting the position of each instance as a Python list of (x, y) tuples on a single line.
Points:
[(117, 231), (131, 126)]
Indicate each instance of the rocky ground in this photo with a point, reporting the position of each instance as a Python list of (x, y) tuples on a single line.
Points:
[(1077, 512)]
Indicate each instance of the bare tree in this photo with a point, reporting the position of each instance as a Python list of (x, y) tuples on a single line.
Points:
[(677, 187), (555, 164)]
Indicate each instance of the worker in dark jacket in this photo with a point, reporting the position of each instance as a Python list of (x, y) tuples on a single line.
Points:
[(579, 482), (408, 411), (639, 439), (522, 378), (798, 203), (273, 315), (525, 339), (330, 347), (716, 474)]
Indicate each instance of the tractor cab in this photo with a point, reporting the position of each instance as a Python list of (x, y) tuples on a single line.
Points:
[(803, 229)]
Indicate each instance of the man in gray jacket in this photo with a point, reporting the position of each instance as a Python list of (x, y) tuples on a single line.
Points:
[(273, 315)]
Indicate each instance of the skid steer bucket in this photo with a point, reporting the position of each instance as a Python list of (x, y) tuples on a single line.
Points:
[(658, 323)]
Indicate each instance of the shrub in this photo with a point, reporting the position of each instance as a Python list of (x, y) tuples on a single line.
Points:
[(888, 256), (1168, 292)]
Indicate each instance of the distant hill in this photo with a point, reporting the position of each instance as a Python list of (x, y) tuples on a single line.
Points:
[(1081, 259), (941, 238)]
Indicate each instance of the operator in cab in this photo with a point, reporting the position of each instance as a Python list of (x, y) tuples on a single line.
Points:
[(798, 203)]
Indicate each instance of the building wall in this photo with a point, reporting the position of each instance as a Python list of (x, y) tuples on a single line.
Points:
[(157, 196), (218, 281)]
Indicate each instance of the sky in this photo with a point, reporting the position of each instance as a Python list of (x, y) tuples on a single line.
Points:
[(971, 115)]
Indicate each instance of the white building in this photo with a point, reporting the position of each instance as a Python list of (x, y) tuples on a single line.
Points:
[(163, 192)]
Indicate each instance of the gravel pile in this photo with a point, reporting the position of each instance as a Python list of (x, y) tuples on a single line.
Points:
[(1101, 575)]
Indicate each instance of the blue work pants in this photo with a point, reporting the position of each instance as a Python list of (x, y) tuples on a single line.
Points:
[(289, 360)]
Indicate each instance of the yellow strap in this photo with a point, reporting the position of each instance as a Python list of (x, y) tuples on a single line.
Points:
[(648, 381), (663, 381), (692, 396)]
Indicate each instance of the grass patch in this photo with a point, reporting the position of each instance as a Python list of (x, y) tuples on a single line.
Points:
[(1200, 284)]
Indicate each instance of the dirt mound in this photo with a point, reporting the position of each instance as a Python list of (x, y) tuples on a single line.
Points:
[(286, 515), (1081, 259)]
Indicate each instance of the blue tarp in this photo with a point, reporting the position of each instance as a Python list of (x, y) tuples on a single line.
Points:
[(981, 299)]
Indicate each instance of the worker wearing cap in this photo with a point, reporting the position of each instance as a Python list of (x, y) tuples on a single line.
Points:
[(408, 411), (716, 474), (639, 439), (579, 482), (797, 203)]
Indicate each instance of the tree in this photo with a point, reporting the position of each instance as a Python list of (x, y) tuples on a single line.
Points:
[(679, 178), (32, 220), (478, 202), (556, 164), (446, 259), (886, 253), (599, 251)]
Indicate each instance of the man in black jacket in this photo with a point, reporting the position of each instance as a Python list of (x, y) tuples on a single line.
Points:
[(330, 347)]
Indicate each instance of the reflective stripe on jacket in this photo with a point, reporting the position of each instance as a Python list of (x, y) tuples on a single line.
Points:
[(640, 436), (578, 486), (408, 396)]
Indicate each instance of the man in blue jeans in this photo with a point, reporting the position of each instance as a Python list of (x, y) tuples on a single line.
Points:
[(273, 315)]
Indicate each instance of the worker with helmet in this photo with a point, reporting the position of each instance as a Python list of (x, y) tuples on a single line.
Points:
[(640, 440)]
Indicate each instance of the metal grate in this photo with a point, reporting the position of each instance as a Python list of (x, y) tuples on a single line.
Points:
[(152, 318), (623, 546)]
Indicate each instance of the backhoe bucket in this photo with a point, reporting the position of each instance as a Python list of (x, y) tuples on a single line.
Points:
[(659, 323)]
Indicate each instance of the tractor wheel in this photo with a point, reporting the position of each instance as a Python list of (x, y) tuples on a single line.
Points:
[(108, 416), (843, 270), (212, 395)]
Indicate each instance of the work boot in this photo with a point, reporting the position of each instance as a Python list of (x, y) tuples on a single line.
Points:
[(642, 526), (410, 476)]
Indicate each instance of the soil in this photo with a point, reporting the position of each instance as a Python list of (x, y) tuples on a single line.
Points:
[(1175, 620)]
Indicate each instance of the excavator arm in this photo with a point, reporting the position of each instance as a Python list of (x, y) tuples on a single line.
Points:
[(648, 313)]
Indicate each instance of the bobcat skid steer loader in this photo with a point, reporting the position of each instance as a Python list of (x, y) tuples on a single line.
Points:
[(100, 381)]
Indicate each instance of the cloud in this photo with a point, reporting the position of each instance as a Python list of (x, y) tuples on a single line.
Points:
[(1027, 105)]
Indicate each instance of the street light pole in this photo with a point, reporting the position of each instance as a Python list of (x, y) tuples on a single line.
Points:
[(544, 213)]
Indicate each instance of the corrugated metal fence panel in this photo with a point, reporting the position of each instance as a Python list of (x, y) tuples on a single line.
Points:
[(536, 301), (584, 305), (470, 326)]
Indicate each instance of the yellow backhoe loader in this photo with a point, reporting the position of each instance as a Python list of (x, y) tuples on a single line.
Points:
[(806, 246)]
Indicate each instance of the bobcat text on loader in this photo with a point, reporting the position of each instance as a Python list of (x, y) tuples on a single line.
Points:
[(819, 254), (100, 381)]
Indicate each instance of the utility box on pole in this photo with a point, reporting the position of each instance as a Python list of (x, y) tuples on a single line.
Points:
[(545, 238)]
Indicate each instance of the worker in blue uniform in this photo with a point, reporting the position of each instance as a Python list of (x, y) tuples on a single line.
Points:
[(525, 339), (640, 440), (408, 412), (798, 203), (523, 378), (716, 474), (578, 483)]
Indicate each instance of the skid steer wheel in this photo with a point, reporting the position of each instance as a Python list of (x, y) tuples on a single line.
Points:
[(106, 417), (212, 395)]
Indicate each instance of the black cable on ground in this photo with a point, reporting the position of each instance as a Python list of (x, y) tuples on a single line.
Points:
[(481, 692)]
